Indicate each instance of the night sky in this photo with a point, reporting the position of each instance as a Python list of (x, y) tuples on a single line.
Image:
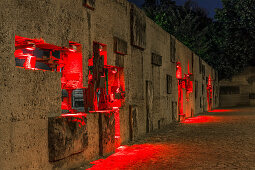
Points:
[(209, 5)]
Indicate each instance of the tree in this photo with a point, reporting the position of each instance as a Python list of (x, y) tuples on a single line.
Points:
[(235, 25), (189, 23), (227, 44)]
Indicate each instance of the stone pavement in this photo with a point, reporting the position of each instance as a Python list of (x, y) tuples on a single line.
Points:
[(222, 139)]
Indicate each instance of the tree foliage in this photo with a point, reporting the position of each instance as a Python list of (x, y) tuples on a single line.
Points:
[(235, 25), (226, 43)]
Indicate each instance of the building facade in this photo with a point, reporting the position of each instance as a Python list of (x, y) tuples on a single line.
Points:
[(240, 90), (79, 78)]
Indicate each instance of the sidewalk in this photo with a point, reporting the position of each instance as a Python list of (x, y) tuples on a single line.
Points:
[(221, 139)]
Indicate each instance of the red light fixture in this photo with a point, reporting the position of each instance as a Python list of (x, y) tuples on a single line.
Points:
[(209, 93), (178, 70)]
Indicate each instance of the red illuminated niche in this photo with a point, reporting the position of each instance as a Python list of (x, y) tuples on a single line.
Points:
[(106, 86), (209, 93), (36, 54), (181, 84), (178, 70)]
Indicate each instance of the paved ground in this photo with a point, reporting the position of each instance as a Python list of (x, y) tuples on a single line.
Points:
[(224, 139)]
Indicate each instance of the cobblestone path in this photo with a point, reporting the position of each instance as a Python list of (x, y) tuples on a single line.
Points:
[(222, 139)]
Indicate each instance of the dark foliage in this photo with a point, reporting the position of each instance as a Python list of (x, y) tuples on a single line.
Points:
[(226, 43)]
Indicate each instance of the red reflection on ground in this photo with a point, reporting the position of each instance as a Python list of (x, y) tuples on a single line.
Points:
[(200, 119), (224, 110), (126, 156)]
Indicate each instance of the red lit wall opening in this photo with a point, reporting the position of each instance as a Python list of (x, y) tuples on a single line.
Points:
[(180, 86), (209, 93), (184, 83), (36, 54), (106, 88), (188, 79)]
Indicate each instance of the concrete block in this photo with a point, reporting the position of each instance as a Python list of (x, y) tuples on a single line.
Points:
[(67, 136)]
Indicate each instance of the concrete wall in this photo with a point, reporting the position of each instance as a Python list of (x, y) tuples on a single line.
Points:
[(246, 83), (29, 97)]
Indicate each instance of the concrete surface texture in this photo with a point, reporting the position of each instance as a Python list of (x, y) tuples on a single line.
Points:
[(245, 84), (222, 139), (28, 98)]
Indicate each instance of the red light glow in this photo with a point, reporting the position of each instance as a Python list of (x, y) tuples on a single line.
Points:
[(74, 114), (224, 110), (30, 62), (180, 99), (209, 81), (125, 156), (200, 119), (72, 50), (77, 117), (100, 111), (114, 71), (178, 70), (209, 93), (30, 48), (188, 68)]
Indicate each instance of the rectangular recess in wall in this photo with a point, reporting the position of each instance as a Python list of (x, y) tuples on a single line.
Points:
[(120, 46), (196, 88), (137, 27), (156, 59), (200, 65), (203, 71), (133, 126), (169, 84), (35, 54), (174, 111), (90, 4), (202, 89), (172, 49)]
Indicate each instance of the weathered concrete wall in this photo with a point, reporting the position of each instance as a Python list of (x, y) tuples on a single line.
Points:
[(245, 81), (197, 84), (162, 102), (29, 97)]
